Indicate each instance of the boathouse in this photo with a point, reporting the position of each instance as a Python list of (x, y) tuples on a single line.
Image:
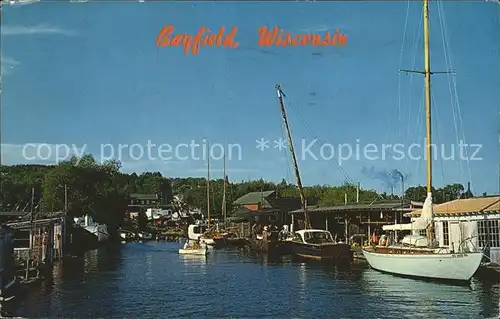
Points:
[(348, 220), (477, 218), (7, 263), (266, 203), (266, 207), (42, 240)]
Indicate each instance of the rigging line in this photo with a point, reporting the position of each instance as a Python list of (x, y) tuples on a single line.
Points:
[(438, 139), (321, 141), (452, 58), (400, 65), (448, 66), (418, 124), (416, 42)]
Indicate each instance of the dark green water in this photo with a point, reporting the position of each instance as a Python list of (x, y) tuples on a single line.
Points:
[(151, 280)]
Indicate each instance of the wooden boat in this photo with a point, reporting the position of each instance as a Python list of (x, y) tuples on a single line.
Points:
[(311, 243), (236, 241), (268, 242), (421, 256), (319, 244)]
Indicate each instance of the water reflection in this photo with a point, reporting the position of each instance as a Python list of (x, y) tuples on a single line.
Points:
[(194, 263), (424, 297), (151, 279)]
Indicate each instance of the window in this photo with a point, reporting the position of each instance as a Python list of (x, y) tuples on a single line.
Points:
[(446, 234), (489, 233), (318, 237), (422, 232)]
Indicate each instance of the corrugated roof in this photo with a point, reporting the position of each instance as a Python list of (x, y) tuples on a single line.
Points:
[(13, 214), (253, 198), (252, 214), (144, 196), (470, 205), (352, 207)]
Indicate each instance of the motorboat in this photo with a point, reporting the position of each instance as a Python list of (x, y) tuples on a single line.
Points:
[(145, 235), (319, 244), (193, 249), (96, 229)]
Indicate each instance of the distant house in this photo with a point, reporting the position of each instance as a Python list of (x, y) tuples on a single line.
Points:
[(477, 218), (265, 206), (144, 200), (145, 203), (254, 201)]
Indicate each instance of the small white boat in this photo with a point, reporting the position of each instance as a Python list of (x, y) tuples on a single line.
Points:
[(194, 251), (145, 235), (126, 235)]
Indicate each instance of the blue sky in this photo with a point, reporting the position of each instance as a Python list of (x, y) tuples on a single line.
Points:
[(91, 74)]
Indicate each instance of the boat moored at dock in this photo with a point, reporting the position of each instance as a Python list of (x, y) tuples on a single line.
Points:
[(319, 245)]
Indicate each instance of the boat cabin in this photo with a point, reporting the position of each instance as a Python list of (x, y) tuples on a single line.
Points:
[(476, 218), (313, 236), (196, 230)]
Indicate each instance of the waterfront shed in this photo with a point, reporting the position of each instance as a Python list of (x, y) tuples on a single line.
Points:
[(477, 218)]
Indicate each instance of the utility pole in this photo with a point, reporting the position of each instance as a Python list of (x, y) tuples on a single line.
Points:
[(32, 215)]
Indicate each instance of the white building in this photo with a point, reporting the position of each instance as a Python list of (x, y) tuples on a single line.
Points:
[(461, 219), (157, 213)]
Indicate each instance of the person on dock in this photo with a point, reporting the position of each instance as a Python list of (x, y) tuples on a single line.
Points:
[(375, 238)]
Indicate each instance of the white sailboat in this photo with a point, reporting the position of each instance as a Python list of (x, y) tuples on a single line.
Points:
[(421, 256), (205, 237)]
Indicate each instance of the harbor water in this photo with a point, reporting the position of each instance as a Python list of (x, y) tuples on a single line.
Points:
[(151, 280)]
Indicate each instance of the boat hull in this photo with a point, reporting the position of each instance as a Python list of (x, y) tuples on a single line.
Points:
[(426, 265), (207, 241), (267, 246), (334, 252), (236, 242), (219, 242), (100, 231), (198, 252)]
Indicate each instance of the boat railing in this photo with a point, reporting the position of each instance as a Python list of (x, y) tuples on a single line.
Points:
[(464, 245)]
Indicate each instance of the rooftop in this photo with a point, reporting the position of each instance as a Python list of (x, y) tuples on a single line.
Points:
[(254, 198), (378, 206), (488, 204), (144, 196)]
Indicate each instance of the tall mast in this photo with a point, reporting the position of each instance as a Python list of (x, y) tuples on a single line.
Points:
[(224, 192), (427, 70), (295, 165), (208, 186), (427, 66)]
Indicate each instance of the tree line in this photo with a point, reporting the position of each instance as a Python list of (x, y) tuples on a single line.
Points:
[(102, 190)]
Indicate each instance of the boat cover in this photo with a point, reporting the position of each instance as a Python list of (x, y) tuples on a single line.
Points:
[(419, 223)]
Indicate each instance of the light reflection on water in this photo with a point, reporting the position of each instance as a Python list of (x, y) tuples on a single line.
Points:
[(151, 280)]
